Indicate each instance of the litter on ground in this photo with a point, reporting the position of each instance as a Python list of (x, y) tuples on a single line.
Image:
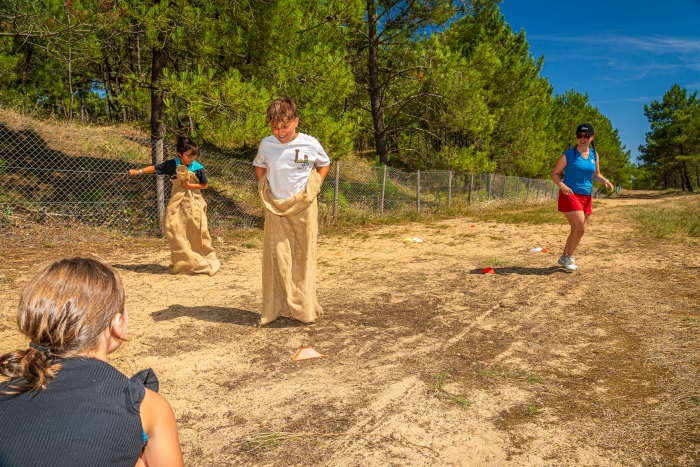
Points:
[(337, 254)]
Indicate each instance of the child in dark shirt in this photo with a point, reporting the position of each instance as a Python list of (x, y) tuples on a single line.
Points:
[(187, 150), (185, 219)]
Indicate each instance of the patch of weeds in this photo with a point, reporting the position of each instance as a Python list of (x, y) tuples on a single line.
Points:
[(690, 319), (438, 392), (49, 245), (695, 400), (493, 262), (510, 374), (497, 238), (423, 278), (607, 259), (468, 235), (532, 379), (361, 235), (249, 245), (490, 371), (332, 273), (225, 257), (532, 409)]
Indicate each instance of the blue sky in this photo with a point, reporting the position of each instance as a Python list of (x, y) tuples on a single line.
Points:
[(624, 54)]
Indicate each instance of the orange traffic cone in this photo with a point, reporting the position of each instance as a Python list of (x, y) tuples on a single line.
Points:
[(337, 254), (472, 226), (306, 353), (489, 271)]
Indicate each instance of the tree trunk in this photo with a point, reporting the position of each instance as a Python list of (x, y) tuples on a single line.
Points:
[(158, 129), (684, 173), (70, 79), (83, 109), (24, 68), (375, 94)]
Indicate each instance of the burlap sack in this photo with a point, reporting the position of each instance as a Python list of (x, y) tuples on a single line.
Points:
[(289, 253), (185, 225)]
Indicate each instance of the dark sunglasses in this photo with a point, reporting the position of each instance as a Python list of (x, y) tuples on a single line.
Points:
[(583, 135)]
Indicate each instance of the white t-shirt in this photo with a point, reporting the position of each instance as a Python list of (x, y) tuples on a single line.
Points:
[(289, 165)]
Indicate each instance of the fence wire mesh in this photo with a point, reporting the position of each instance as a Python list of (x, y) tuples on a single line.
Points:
[(72, 178)]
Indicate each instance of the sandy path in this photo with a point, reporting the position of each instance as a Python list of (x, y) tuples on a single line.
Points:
[(592, 368)]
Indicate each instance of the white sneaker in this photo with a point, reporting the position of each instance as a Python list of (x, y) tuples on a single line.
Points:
[(569, 263)]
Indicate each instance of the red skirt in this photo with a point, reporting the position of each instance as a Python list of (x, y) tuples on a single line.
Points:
[(575, 202)]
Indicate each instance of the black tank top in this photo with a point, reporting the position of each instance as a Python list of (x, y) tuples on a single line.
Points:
[(87, 416)]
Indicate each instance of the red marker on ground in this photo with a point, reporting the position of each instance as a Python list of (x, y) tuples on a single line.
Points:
[(306, 353), (489, 271)]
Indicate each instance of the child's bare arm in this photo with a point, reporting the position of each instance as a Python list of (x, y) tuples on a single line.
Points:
[(194, 186), (259, 171), (151, 169), (323, 171)]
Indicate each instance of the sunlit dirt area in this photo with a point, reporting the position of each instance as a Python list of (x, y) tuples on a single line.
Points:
[(426, 361)]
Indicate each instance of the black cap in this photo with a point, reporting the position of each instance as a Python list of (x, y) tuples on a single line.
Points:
[(585, 128)]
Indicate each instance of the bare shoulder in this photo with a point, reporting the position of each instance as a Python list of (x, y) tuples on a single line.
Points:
[(154, 403)]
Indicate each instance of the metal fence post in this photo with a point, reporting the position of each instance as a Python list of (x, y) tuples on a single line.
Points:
[(505, 183), (538, 190), (471, 184), (418, 191), (490, 182), (517, 182), (527, 195), (335, 190), (553, 190), (449, 188), (381, 203)]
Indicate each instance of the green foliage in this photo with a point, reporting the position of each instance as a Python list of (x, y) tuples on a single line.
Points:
[(445, 84), (671, 155)]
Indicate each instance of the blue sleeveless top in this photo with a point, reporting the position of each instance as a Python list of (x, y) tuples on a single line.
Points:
[(578, 174), (88, 415)]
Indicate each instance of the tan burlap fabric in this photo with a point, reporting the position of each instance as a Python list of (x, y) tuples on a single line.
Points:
[(185, 225), (289, 253)]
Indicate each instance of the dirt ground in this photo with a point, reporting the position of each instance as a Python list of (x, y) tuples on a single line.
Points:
[(426, 361)]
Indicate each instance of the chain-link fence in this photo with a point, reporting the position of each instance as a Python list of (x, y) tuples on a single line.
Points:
[(74, 177)]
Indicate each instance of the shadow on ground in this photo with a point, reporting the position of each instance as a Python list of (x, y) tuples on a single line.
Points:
[(218, 314), (144, 268), (525, 271)]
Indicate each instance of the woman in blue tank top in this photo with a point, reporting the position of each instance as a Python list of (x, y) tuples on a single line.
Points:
[(582, 167), (64, 405)]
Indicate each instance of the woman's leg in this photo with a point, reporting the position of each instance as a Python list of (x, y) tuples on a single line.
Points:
[(579, 222)]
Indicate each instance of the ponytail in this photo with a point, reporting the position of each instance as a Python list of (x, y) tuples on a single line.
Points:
[(29, 370), (63, 310)]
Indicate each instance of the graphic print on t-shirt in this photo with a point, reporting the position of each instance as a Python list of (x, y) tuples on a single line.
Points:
[(304, 162)]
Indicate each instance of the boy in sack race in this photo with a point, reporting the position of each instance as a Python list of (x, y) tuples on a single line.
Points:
[(185, 219), (288, 185)]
